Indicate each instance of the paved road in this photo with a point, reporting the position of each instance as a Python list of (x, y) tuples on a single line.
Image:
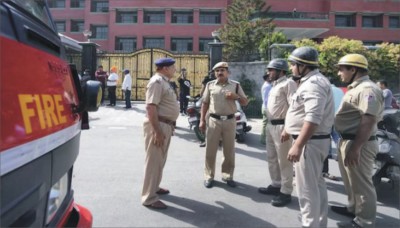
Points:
[(108, 179)]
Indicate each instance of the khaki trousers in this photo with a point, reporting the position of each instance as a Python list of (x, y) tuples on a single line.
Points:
[(310, 184), (216, 130), (155, 161), (264, 126), (280, 168), (358, 183)]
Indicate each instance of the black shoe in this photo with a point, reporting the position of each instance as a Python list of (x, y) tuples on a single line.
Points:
[(343, 211), (351, 224), (110, 105), (270, 190), (203, 144), (281, 200), (230, 183), (208, 183)]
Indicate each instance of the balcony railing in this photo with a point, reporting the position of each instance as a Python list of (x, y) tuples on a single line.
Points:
[(293, 15)]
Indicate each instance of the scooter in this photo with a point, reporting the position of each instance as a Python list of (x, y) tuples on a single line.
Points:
[(387, 161), (241, 124), (193, 112)]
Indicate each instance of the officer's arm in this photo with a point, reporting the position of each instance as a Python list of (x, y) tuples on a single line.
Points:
[(203, 112), (363, 133), (152, 115), (306, 132)]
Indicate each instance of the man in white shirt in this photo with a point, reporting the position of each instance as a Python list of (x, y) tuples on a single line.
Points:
[(112, 86), (266, 87), (127, 86)]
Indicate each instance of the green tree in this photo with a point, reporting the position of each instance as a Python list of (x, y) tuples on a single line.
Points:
[(245, 29), (271, 38)]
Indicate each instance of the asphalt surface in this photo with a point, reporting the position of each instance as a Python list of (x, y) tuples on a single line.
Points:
[(108, 179)]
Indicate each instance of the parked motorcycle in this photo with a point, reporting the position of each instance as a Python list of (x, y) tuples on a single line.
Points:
[(387, 161), (193, 112), (241, 124)]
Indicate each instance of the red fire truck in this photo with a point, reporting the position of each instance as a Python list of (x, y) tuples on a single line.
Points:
[(42, 104)]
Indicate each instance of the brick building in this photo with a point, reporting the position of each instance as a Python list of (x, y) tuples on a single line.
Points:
[(186, 25)]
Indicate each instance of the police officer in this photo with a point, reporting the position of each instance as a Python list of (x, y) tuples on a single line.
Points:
[(309, 120), (162, 110), (278, 141), (219, 99), (356, 122)]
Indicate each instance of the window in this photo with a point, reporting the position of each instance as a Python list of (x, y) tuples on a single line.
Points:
[(153, 43), (99, 31), (345, 20), (394, 21), (99, 6), (154, 17), (127, 44), (56, 3), (126, 17), (374, 21), (182, 18), (210, 17), (203, 44), (60, 26), (77, 25), (78, 4), (182, 44), (36, 9)]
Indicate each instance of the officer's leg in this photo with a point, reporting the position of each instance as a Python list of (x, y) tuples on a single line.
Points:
[(363, 187), (344, 146), (286, 167), (213, 134), (228, 146), (264, 126), (310, 184), (272, 157)]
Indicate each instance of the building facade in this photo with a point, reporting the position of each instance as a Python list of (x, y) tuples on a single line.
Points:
[(186, 25)]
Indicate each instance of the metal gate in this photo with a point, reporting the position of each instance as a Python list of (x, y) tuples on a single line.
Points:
[(141, 66)]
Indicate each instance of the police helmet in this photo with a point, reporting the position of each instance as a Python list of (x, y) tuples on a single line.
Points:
[(355, 60), (278, 64), (304, 55)]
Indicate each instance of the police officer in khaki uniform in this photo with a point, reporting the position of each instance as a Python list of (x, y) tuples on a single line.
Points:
[(278, 145), (356, 122), (162, 110), (219, 100), (309, 120)]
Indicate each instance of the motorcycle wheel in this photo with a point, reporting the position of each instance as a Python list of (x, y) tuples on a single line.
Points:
[(199, 134), (240, 138)]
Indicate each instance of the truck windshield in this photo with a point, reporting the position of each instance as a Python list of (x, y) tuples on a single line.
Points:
[(37, 8)]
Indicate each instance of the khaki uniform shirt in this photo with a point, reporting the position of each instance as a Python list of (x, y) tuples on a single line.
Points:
[(160, 93), (214, 94), (312, 102), (363, 97), (279, 98)]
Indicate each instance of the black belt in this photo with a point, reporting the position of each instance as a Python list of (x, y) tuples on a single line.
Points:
[(278, 122), (353, 137), (167, 121), (222, 117), (315, 136)]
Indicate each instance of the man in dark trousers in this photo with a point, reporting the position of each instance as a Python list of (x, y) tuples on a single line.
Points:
[(101, 76), (184, 87)]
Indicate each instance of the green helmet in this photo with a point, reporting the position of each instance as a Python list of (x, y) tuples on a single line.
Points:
[(304, 55), (279, 64)]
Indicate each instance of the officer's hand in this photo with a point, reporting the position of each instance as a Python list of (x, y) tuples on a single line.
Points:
[(352, 157), (294, 153), (158, 137), (230, 96), (202, 126), (284, 136)]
